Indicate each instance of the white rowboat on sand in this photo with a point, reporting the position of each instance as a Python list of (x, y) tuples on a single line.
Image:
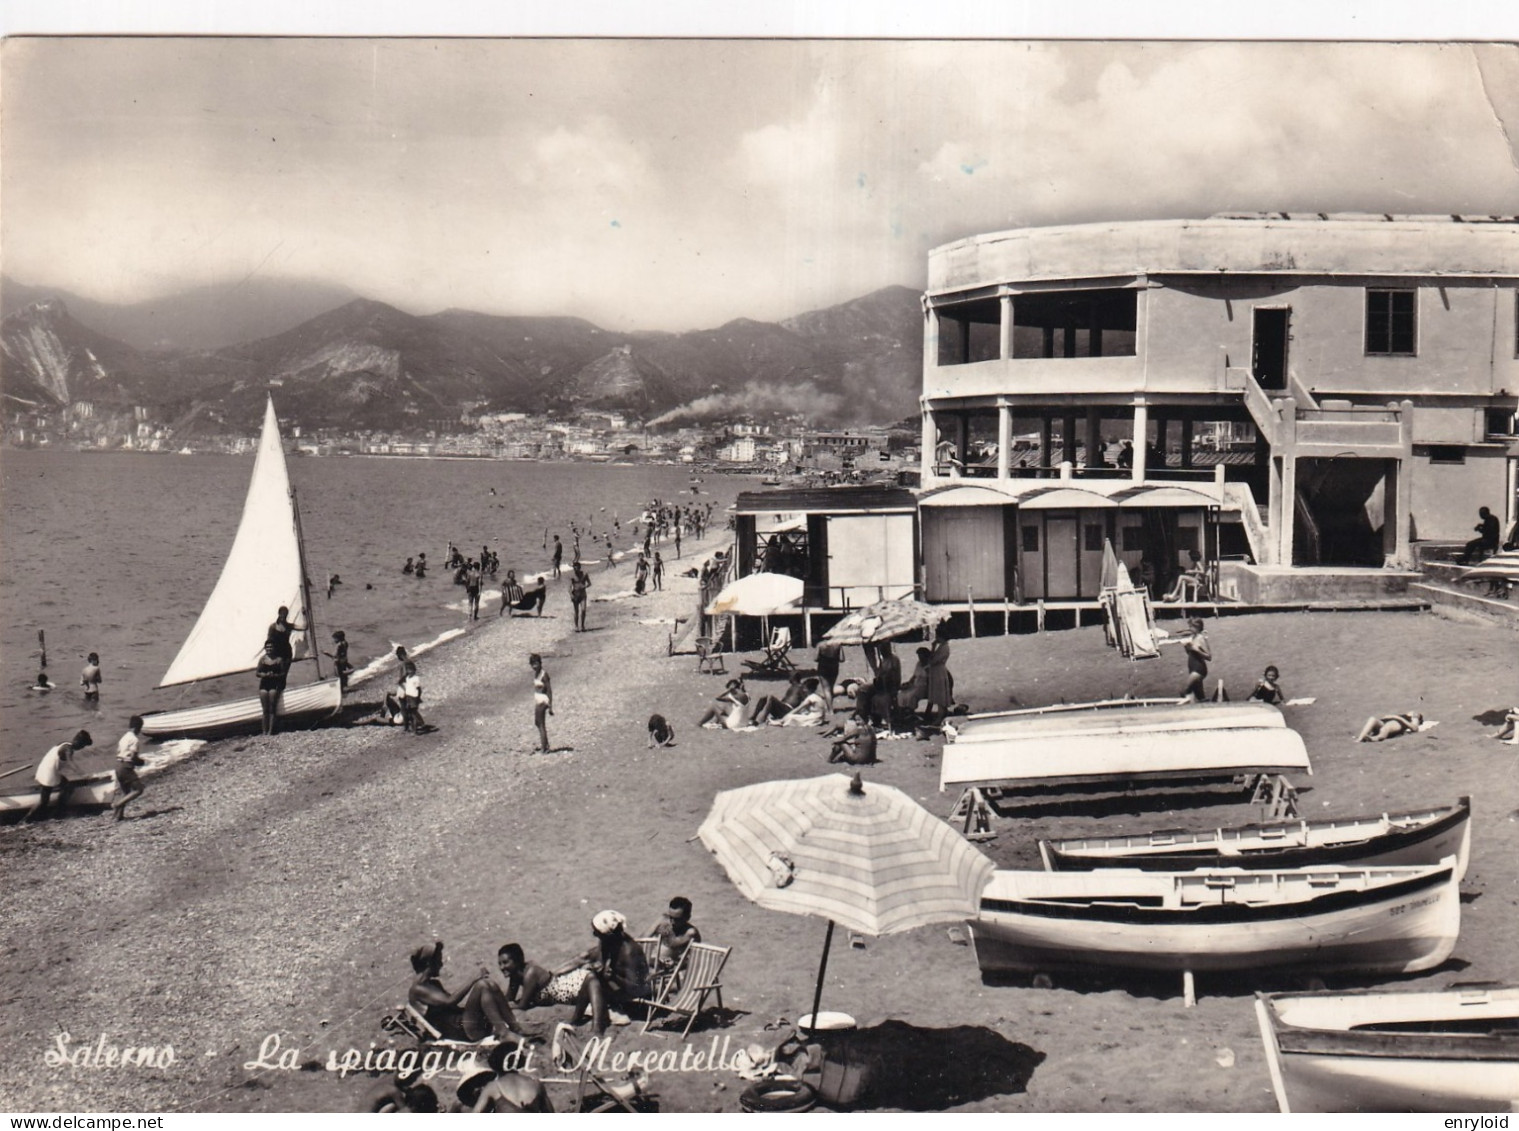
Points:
[(1447, 1050), (1419, 836), (1389, 920)]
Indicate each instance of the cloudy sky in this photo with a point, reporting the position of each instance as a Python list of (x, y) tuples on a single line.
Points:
[(671, 185)]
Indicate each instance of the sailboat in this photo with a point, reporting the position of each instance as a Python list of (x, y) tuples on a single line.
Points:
[(265, 570)]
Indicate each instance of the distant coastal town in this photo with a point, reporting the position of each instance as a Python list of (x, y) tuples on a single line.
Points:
[(600, 437)]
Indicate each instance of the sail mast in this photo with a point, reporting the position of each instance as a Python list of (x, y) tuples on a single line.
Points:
[(300, 542)]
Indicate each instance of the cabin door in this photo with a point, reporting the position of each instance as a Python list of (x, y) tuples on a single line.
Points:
[(963, 553), (870, 559), (1269, 347), (1062, 556), (1094, 530)]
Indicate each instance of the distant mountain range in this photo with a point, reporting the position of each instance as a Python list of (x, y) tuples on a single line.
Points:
[(204, 359)]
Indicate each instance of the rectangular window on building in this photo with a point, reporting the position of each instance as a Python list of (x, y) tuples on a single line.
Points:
[(1092, 532), (1031, 539), (1133, 538), (1188, 538), (1391, 322), (1086, 323), (1447, 453), (1502, 423)]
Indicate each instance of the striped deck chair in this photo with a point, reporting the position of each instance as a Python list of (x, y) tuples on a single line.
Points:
[(683, 992)]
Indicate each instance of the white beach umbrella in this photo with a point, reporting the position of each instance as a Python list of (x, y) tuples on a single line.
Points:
[(758, 595)]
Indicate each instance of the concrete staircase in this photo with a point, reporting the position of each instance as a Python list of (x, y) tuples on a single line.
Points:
[(1436, 561)]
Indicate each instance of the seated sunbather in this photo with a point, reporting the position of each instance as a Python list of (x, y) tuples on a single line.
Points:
[(1389, 726), (619, 973), (1269, 689), (510, 1090), (857, 747), (477, 1011), (675, 933), (769, 707), (1510, 731), (810, 712), (730, 709)]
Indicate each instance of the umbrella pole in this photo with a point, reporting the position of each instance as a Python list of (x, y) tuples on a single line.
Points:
[(817, 994)]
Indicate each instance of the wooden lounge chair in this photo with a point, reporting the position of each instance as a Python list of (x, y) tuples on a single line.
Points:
[(594, 1092), (683, 992), (408, 1020)]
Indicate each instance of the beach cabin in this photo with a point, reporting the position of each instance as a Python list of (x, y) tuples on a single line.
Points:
[(850, 546)]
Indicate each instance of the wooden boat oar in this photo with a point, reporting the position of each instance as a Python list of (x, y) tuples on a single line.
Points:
[(42, 646), (17, 770)]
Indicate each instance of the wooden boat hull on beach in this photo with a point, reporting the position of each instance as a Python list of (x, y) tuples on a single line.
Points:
[(1420, 836), (98, 790), (1120, 743), (304, 704), (1375, 920), (1438, 1050)]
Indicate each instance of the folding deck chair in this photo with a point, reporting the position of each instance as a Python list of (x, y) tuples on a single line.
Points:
[(683, 991), (776, 653), (594, 1092), (408, 1021)]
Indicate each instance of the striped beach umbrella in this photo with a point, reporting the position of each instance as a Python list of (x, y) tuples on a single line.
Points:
[(885, 620), (866, 856)]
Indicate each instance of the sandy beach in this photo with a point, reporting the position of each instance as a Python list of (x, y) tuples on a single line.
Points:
[(271, 889)]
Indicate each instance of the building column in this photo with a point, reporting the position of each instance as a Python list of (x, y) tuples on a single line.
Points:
[(1162, 435), (1068, 439), (930, 339), (1094, 436), (1141, 429), (1004, 441), (929, 444), (1273, 509), (1186, 441), (1401, 548), (1046, 439), (1287, 444), (962, 437), (1005, 327)]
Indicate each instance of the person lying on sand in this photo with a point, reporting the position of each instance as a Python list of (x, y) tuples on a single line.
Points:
[(1390, 726), (477, 1011), (529, 985)]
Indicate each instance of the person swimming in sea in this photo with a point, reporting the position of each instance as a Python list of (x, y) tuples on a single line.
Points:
[(43, 683)]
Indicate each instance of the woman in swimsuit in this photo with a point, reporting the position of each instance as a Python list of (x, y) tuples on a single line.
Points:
[(477, 1011), (731, 708), (543, 700), (1389, 726)]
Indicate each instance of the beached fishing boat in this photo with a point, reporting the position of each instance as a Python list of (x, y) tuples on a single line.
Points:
[(1418, 836), (265, 569), (1118, 742), (1377, 920), (97, 790), (1455, 1049)]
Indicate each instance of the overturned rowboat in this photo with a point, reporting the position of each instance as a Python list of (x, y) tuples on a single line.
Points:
[(1119, 743), (1404, 1050), (1387, 920), (1418, 836)]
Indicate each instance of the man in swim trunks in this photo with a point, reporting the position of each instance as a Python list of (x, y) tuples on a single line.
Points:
[(579, 583), (128, 758), (89, 679), (50, 775), (675, 933)]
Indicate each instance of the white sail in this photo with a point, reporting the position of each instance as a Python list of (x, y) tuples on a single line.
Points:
[(262, 573)]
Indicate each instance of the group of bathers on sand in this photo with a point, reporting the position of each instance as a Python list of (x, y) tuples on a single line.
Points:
[(601, 984)]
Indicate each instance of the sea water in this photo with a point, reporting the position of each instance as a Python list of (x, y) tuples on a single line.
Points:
[(117, 552)]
